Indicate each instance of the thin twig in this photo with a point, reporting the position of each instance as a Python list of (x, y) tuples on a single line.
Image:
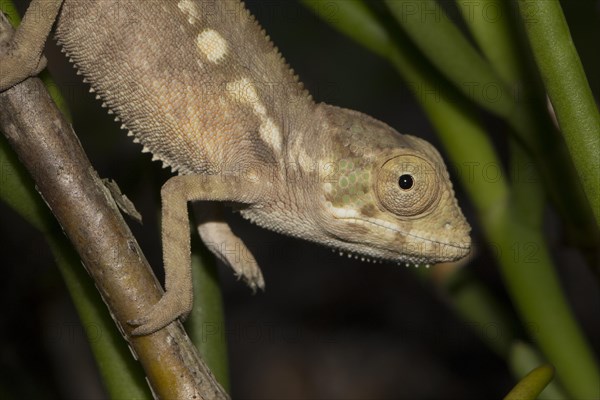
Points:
[(49, 149)]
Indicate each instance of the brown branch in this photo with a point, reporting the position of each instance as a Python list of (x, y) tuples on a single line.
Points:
[(49, 149)]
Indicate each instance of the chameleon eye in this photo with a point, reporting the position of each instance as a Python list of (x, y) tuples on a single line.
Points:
[(406, 181), (407, 185)]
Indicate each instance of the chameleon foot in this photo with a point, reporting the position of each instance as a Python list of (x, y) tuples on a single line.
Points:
[(250, 272), (226, 245), (23, 58), (170, 307)]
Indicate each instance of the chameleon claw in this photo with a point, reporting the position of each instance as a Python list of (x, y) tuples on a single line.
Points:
[(168, 309), (254, 278)]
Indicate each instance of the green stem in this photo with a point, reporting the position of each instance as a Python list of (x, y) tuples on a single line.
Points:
[(122, 376), (448, 49), (8, 8), (507, 89), (568, 89), (522, 359), (534, 287), (115, 361), (500, 41), (530, 387), (530, 277), (206, 324), (490, 25)]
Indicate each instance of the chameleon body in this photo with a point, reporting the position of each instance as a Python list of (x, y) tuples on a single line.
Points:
[(202, 88)]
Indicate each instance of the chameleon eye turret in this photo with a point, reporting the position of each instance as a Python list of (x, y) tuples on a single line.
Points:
[(407, 186)]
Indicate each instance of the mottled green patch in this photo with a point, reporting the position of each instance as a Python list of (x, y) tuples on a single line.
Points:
[(353, 185), (346, 166)]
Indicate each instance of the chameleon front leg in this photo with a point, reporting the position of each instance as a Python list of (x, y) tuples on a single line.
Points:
[(24, 58), (175, 235), (226, 245)]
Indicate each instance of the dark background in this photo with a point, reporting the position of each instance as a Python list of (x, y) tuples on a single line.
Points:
[(326, 326)]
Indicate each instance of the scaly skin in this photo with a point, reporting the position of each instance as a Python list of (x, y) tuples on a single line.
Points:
[(202, 88)]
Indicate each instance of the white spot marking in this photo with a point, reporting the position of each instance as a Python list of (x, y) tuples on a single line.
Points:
[(244, 91), (341, 212), (270, 133), (212, 45), (190, 9)]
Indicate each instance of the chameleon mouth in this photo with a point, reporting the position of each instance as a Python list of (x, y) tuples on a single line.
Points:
[(389, 227), (351, 216)]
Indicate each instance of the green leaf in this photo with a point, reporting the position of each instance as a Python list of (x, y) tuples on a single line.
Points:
[(522, 359), (568, 89), (520, 248), (530, 387), (206, 323), (122, 375), (446, 48)]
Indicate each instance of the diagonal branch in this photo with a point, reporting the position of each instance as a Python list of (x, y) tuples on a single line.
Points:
[(49, 149)]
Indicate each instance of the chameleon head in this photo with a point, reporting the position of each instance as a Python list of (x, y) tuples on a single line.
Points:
[(389, 196)]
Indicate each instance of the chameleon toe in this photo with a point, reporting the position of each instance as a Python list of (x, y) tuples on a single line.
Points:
[(168, 309)]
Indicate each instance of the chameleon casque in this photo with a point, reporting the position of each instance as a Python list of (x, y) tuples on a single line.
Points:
[(200, 85)]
